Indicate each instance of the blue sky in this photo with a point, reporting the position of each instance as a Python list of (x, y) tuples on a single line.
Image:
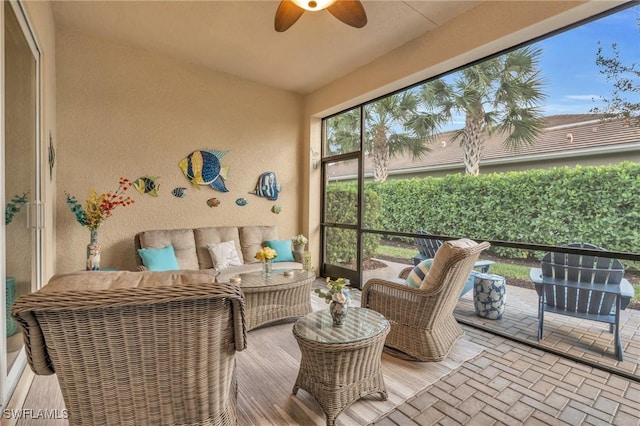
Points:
[(568, 63)]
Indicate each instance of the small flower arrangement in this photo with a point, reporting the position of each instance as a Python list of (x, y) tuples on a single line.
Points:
[(266, 253), (98, 207), (14, 206), (336, 291), (299, 240)]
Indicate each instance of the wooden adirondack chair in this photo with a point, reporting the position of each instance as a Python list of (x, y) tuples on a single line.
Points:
[(582, 286)]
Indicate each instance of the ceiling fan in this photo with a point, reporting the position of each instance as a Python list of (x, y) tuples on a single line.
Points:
[(350, 12)]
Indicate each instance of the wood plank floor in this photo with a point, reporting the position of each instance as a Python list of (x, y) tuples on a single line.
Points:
[(508, 383)]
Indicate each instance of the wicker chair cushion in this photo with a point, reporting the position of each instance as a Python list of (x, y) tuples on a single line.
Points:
[(182, 241), (224, 255), (252, 238), (418, 273), (444, 254), (217, 234), (98, 280)]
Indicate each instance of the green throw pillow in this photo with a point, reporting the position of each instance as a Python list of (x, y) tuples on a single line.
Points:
[(283, 248), (415, 277), (159, 259)]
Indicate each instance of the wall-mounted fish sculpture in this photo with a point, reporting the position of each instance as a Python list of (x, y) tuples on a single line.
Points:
[(147, 185), (267, 186), (179, 192), (202, 167)]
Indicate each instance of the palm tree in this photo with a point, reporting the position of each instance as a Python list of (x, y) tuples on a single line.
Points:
[(497, 95), (386, 132)]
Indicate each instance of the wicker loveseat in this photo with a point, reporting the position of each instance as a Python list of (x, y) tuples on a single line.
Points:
[(134, 348), (192, 253)]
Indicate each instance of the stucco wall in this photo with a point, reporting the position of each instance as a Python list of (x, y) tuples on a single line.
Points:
[(127, 112)]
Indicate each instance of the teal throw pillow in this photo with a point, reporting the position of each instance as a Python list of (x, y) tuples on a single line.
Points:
[(416, 276), (283, 248), (159, 259)]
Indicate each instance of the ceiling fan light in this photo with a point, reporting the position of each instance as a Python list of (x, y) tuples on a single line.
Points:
[(313, 5)]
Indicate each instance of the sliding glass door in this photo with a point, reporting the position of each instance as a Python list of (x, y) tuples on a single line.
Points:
[(21, 149), (341, 207)]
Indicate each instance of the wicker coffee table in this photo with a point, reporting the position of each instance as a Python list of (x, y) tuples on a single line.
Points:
[(341, 364), (269, 299)]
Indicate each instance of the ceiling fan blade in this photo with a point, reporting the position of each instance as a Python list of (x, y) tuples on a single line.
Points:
[(350, 12), (287, 15)]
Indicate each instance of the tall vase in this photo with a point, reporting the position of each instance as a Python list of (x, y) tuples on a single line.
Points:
[(267, 267), (93, 252), (298, 252)]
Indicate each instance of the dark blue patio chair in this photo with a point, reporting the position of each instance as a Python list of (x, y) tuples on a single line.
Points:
[(427, 248), (582, 286)]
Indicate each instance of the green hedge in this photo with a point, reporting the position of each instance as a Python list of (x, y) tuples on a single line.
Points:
[(556, 206), (342, 208)]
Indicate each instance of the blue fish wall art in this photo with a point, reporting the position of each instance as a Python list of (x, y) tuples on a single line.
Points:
[(202, 167), (147, 185), (179, 192), (267, 186)]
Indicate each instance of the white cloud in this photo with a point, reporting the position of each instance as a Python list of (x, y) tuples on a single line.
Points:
[(582, 97)]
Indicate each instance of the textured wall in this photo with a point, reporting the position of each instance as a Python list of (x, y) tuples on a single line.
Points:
[(127, 112)]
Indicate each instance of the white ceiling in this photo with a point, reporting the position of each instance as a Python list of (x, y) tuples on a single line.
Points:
[(237, 37)]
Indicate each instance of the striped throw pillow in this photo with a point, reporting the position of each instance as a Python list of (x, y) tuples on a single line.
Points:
[(418, 273)]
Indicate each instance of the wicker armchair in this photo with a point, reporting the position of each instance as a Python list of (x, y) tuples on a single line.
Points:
[(139, 356), (422, 324)]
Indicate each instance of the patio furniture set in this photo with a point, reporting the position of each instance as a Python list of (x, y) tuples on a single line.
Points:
[(90, 328)]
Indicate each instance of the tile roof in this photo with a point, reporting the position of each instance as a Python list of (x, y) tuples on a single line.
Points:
[(564, 136)]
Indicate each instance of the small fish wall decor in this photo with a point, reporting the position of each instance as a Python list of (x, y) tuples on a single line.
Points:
[(276, 209), (242, 202), (213, 202), (147, 185), (202, 167), (179, 192), (267, 186)]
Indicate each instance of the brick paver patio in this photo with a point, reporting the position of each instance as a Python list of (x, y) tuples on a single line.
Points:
[(517, 381)]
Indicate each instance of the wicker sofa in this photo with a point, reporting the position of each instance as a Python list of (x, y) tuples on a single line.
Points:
[(192, 253), (137, 347)]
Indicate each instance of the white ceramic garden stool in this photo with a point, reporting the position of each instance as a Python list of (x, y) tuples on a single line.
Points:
[(489, 295)]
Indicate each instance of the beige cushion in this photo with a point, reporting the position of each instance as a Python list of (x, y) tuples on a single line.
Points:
[(252, 238), (216, 234), (103, 280), (444, 254), (183, 241)]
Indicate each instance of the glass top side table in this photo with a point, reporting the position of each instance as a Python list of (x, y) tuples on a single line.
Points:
[(341, 364)]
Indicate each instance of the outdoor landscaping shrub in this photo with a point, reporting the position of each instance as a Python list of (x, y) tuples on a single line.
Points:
[(558, 206), (341, 208)]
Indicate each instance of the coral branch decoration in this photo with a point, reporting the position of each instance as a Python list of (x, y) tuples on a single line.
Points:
[(99, 207)]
